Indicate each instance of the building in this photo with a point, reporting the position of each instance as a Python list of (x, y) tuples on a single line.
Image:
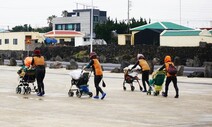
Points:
[(80, 20), (20, 40), (167, 34), (181, 38), (185, 38), (124, 39), (67, 37), (150, 34)]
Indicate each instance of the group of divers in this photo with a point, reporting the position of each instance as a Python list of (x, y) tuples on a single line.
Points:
[(34, 69)]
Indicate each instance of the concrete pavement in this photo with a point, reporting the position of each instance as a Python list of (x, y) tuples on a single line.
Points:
[(119, 108)]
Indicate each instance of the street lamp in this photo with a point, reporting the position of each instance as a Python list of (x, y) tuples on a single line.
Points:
[(91, 34)]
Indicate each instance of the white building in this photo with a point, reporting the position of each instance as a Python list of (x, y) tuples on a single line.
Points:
[(67, 37), (184, 38), (20, 40), (166, 34), (80, 20)]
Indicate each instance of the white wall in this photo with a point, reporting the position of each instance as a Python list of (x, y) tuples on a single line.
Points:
[(20, 36), (206, 39), (79, 41), (179, 41), (121, 39)]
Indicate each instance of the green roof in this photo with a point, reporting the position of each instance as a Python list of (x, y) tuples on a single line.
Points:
[(161, 25), (181, 33)]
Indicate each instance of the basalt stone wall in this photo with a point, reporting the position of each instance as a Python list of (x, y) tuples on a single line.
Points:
[(118, 54)]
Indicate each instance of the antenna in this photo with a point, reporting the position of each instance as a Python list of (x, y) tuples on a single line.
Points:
[(85, 6)]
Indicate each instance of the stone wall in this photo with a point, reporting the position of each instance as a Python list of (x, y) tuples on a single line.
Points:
[(117, 53)]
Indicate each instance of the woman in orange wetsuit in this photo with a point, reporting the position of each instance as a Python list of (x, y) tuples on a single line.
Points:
[(145, 70), (39, 63), (173, 78), (98, 74)]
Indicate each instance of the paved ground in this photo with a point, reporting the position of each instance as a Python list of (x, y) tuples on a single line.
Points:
[(119, 109)]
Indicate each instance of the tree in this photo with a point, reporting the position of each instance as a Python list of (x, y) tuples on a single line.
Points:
[(49, 20), (17, 29), (106, 30), (135, 23), (43, 29), (64, 13), (103, 31), (24, 28)]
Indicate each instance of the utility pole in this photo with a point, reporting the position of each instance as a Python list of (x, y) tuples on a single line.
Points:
[(180, 12), (91, 34), (128, 14)]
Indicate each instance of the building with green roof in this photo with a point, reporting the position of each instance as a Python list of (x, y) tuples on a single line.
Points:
[(168, 34), (184, 38), (149, 34), (180, 33), (162, 26)]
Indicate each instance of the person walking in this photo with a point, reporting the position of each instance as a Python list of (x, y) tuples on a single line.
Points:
[(141, 61), (38, 62), (98, 74), (170, 77)]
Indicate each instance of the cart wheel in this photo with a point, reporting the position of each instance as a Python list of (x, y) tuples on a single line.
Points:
[(70, 93), (90, 94), (23, 90), (155, 93), (28, 90), (148, 92), (132, 88), (18, 90), (79, 94)]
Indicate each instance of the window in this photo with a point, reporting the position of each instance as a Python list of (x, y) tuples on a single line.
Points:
[(78, 27), (0, 41), (59, 27), (95, 18), (15, 41), (6, 41), (78, 14), (69, 27), (103, 13)]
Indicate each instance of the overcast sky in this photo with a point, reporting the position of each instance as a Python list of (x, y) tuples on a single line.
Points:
[(191, 13)]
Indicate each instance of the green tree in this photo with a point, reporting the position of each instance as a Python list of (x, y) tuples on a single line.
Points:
[(43, 29), (106, 30), (103, 31), (135, 23), (24, 28), (49, 20), (64, 13)]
